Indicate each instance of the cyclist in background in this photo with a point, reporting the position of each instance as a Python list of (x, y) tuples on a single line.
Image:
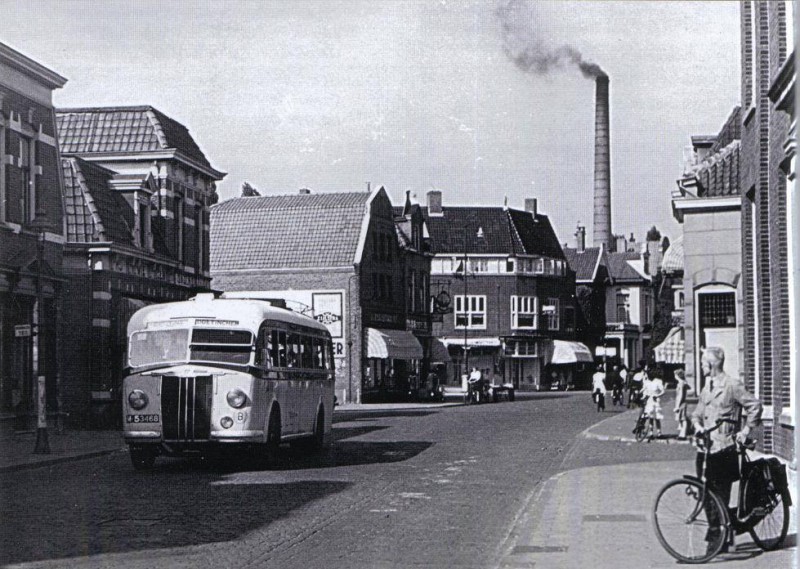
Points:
[(722, 397)]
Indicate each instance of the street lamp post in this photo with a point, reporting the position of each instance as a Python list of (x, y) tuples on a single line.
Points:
[(42, 443)]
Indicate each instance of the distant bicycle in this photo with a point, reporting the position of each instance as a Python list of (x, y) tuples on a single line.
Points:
[(693, 524), (640, 431)]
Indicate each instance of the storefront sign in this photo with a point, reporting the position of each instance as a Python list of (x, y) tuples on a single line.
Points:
[(22, 331), (379, 319), (417, 326)]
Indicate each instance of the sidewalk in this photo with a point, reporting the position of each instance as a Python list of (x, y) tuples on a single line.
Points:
[(601, 516), (16, 448)]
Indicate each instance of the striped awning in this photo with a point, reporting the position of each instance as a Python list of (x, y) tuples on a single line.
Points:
[(439, 352), (671, 350), (392, 344), (570, 352)]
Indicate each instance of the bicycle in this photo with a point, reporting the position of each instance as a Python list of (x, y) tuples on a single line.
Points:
[(693, 524), (640, 431)]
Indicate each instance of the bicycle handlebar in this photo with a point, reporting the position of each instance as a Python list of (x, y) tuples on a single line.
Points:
[(705, 436)]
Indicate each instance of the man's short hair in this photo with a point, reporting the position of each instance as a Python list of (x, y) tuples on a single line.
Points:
[(716, 353)]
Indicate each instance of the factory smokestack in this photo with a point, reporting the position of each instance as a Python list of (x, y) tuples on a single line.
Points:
[(602, 166)]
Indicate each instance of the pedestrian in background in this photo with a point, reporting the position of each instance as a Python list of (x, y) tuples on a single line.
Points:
[(681, 393), (617, 386), (636, 384), (599, 388), (653, 389)]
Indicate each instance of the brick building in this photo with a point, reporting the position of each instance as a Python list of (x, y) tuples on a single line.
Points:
[(769, 217), (614, 296), (512, 291), (31, 234), (137, 191), (338, 257), (707, 203)]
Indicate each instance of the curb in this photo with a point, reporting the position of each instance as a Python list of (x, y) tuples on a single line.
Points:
[(58, 460), (588, 434)]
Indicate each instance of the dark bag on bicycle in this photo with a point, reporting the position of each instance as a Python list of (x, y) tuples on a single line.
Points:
[(774, 472)]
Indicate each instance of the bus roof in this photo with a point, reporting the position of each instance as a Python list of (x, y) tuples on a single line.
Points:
[(246, 313)]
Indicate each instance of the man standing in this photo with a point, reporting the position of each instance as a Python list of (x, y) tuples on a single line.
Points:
[(722, 397)]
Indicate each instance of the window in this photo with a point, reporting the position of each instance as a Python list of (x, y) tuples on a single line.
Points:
[(538, 266), (470, 312), (623, 307), (717, 310), (510, 265), (143, 222), (479, 265), (524, 312), (410, 293), (789, 26), (200, 233), (28, 189), (553, 314), (278, 348), (179, 228)]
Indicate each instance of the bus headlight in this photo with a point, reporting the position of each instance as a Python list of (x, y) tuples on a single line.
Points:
[(236, 398), (137, 399), (226, 422)]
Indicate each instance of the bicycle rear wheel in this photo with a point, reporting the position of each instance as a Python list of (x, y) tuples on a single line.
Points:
[(690, 521), (771, 512), (640, 431)]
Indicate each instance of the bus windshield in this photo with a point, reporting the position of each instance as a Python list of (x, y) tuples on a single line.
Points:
[(207, 345)]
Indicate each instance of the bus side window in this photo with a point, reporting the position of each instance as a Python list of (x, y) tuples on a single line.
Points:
[(263, 342), (278, 348), (328, 354), (308, 356), (293, 350), (319, 353)]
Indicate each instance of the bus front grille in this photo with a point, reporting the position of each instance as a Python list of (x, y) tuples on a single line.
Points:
[(186, 408)]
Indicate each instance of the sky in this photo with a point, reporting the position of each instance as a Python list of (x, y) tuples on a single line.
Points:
[(412, 95)]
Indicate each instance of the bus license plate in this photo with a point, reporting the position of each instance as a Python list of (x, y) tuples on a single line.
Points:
[(142, 418)]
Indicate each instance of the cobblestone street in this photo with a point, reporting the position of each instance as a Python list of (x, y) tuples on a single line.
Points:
[(399, 488)]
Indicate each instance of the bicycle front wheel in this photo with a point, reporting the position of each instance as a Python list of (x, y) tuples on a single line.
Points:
[(690, 521), (770, 510)]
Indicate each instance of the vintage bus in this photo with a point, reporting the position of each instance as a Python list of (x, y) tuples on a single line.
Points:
[(212, 372)]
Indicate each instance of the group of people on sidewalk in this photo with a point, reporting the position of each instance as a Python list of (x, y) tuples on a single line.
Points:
[(644, 388)]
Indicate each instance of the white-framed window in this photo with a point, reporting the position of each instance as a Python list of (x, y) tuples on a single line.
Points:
[(538, 266), (470, 311), (553, 314), (524, 312), (479, 265), (623, 307)]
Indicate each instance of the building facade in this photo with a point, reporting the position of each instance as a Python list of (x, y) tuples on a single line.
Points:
[(31, 236), (707, 203), (137, 191), (342, 249), (769, 217), (511, 288)]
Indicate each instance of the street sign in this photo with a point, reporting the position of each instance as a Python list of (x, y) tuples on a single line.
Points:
[(22, 331)]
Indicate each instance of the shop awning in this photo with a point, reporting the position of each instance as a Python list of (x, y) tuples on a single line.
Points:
[(439, 353), (394, 344), (671, 350), (472, 342), (570, 352)]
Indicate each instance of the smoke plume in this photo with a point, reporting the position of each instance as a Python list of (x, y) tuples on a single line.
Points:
[(530, 53)]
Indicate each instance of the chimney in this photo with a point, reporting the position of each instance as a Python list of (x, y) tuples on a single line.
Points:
[(646, 260), (531, 205), (619, 244), (435, 203), (602, 166), (580, 238), (304, 191)]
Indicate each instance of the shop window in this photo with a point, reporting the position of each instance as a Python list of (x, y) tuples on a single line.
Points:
[(470, 312), (524, 312)]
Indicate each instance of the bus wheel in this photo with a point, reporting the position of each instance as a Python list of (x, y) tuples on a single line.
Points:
[(143, 458), (274, 432), (318, 440)]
